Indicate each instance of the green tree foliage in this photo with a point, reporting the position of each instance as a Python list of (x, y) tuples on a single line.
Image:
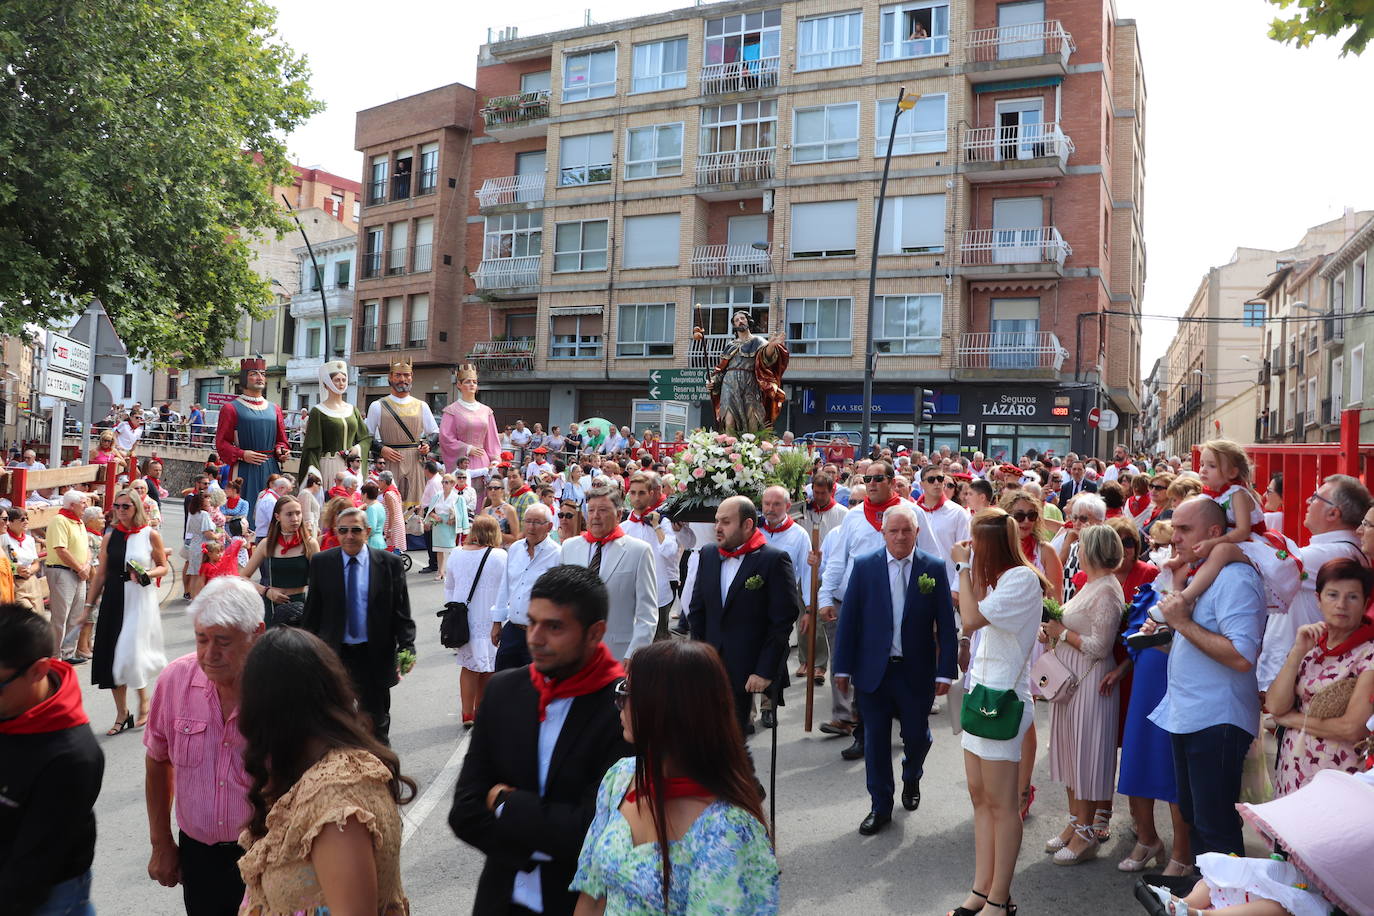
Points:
[(139, 140), (1325, 18)]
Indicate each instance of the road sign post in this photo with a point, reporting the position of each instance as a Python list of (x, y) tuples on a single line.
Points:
[(678, 385)]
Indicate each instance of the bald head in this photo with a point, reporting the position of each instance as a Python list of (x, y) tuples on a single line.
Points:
[(1195, 520)]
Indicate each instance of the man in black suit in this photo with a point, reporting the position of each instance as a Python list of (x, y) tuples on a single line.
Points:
[(545, 735), (745, 603), (358, 604), (1076, 484)]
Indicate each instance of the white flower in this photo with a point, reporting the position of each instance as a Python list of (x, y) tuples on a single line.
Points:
[(721, 480), (749, 437)]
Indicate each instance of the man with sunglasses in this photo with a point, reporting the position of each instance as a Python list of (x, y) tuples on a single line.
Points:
[(944, 522), (526, 560), (50, 774), (1077, 483)]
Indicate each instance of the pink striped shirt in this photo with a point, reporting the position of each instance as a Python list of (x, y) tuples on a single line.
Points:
[(185, 726)]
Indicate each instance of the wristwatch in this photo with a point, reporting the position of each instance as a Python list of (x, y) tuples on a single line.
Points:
[(960, 567)]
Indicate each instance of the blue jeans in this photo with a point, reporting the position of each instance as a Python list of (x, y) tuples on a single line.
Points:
[(1207, 765), (70, 898), (894, 699)]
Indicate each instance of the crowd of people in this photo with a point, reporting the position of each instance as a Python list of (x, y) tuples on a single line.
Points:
[(1157, 612)]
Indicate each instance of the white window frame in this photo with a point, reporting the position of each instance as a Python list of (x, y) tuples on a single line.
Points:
[(892, 21), (525, 241), (769, 37), (636, 226), (583, 254), (1356, 376), (835, 40), (577, 345), (584, 171), (650, 54), (529, 80), (427, 176), (658, 165), (799, 344), (912, 142), (1313, 403), (798, 213), (1337, 389), (763, 124), (589, 89), (830, 149), (636, 348), (910, 345), (1361, 280), (894, 214), (1290, 408)]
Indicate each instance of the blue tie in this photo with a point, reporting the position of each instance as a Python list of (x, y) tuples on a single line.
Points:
[(355, 631)]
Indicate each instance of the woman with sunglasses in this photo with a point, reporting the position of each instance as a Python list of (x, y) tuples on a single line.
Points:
[(570, 522), (21, 549), (682, 820), (128, 633), (447, 514), (502, 511)]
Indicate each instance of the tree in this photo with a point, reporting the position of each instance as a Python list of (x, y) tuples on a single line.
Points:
[(1325, 18), (139, 141)]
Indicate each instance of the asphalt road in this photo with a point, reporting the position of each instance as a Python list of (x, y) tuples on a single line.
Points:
[(921, 864)]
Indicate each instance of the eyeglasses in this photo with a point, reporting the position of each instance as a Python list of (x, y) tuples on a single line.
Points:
[(1365, 524), (1322, 498), (1159, 486), (622, 692), (876, 478), (566, 515), (1026, 516), (350, 529), (123, 505), (17, 675), (935, 478), (1083, 518)]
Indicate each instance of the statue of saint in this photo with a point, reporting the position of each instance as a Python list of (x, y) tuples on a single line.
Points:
[(467, 429), (334, 428), (251, 433), (402, 425), (746, 386)]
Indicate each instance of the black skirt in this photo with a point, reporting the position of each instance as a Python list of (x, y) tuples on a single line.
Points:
[(111, 619)]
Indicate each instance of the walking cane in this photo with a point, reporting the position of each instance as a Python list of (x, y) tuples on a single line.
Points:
[(811, 630)]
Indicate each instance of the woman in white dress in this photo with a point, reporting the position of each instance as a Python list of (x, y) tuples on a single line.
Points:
[(477, 659), (448, 515), (199, 525)]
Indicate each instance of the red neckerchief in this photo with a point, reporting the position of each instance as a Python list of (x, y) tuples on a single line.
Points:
[(284, 544), (786, 523), (231, 502), (601, 669), (264, 492), (1030, 547), (638, 519), (756, 540), (943, 499), (677, 787), (874, 512), (1122, 465), (1208, 491), (977, 465), (19, 539), (1113, 513), (1363, 634), (520, 492), (592, 539), (119, 526), (817, 507), (60, 711), (65, 513)]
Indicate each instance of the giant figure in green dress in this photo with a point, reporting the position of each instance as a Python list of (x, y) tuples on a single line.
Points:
[(334, 428)]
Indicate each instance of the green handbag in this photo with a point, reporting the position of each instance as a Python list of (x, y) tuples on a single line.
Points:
[(991, 713)]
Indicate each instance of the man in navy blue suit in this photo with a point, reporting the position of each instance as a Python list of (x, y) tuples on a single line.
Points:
[(897, 641)]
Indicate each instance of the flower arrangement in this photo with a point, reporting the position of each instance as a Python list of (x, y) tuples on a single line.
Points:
[(1050, 610), (714, 466)]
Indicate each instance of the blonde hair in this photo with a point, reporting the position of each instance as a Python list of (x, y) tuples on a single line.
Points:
[(1010, 498), (140, 514), (1100, 547), (1228, 452), (1162, 532), (1184, 487), (485, 532)]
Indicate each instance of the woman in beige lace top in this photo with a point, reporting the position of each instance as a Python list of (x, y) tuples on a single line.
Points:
[(325, 830)]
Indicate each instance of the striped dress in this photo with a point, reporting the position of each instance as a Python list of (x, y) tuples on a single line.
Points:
[(1083, 730)]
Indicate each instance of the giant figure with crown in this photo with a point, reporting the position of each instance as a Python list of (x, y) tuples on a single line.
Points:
[(401, 427), (251, 434)]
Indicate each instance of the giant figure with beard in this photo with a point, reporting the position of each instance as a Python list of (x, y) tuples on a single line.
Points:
[(402, 426)]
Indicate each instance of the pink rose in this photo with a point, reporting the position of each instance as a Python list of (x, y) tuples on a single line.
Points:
[(721, 438), (687, 457), (734, 456), (730, 440), (739, 468), (699, 473), (776, 459), (766, 446), (682, 484)]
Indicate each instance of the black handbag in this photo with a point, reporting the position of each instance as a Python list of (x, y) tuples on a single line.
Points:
[(454, 631), (288, 613)]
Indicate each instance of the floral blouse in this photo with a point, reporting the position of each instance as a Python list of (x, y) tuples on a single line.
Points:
[(1301, 755), (276, 868), (723, 864)]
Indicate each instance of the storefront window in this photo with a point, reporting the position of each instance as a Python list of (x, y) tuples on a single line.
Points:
[(1008, 442)]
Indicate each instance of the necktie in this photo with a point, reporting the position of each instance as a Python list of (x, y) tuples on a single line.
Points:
[(595, 564), (901, 583), (354, 630)]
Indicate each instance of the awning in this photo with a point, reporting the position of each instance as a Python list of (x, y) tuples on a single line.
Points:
[(1031, 83), (570, 311)]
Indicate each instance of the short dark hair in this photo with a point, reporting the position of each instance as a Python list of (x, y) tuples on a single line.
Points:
[(371, 490), (1276, 480), (24, 637), (432, 467), (1343, 568), (979, 485), (570, 586)]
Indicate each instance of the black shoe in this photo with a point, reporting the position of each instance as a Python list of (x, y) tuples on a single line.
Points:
[(911, 794), (680, 628), (430, 569), (874, 822), (768, 718), (855, 751)]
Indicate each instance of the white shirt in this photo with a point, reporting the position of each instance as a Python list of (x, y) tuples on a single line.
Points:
[(433, 488), (527, 891), (854, 538), (665, 554), (520, 437), (898, 581), (940, 530), (797, 543), (729, 568), (262, 512), (535, 468), (126, 436), (513, 595)]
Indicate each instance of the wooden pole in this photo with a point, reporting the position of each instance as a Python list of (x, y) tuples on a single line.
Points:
[(815, 622)]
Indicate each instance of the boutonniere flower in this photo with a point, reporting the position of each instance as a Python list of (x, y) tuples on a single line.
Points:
[(754, 583), (926, 583)]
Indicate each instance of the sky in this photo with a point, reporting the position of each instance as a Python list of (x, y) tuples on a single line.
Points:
[(1248, 142)]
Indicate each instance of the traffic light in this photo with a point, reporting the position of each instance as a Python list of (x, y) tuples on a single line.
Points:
[(927, 404)]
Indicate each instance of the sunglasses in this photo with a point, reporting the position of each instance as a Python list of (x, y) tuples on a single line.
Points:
[(622, 693), (1026, 516), (351, 529), (1159, 486), (876, 478), (935, 478), (566, 515), (17, 675), (490, 489), (123, 505)]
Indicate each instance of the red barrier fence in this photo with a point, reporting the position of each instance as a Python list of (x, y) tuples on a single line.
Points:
[(17, 483)]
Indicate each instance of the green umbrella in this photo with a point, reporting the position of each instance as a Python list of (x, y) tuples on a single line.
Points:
[(601, 423)]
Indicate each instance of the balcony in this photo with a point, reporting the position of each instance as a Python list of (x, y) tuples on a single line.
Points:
[(503, 357), (1333, 330), (512, 189), (515, 117), (376, 192), (730, 261), (706, 353), (395, 262), (417, 332), (1027, 151), (740, 76), (1028, 253), (507, 273), (400, 186), (372, 265), (735, 166), (308, 305), (1018, 52), (1009, 354), (429, 181), (1276, 363), (397, 335), (422, 259)]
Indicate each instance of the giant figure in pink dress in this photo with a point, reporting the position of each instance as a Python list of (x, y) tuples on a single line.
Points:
[(468, 430)]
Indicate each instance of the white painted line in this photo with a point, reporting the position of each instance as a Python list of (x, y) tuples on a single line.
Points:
[(414, 815)]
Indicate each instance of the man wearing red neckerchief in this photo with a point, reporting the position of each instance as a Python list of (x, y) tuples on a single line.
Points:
[(783, 533), (625, 565), (545, 735), (944, 522), (647, 523)]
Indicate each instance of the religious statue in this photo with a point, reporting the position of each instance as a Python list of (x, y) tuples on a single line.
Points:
[(334, 428), (467, 429), (746, 385), (251, 434), (401, 426)]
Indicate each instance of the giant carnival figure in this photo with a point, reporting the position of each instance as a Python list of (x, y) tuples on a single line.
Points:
[(251, 434), (401, 426), (334, 429), (467, 429)]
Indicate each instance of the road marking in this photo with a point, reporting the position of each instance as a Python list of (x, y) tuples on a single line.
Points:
[(414, 815)]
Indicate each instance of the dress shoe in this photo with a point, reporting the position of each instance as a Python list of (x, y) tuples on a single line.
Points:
[(837, 727), (874, 822), (430, 569), (911, 794), (855, 751), (769, 718)]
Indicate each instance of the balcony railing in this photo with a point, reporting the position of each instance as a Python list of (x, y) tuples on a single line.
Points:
[(1332, 408), (706, 353), (1334, 329), (740, 76), (503, 355), (429, 181), (417, 333), (1012, 42), (730, 261), (505, 273), (389, 336), (1011, 350), (376, 192), (395, 262), (372, 264), (422, 259), (734, 166), (400, 186), (1276, 363), (507, 110), (1038, 245), (1010, 143), (511, 189)]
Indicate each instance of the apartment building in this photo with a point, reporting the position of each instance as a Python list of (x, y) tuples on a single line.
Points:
[(1295, 396), (408, 301), (20, 417), (640, 179), (326, 282), (1345, 335)]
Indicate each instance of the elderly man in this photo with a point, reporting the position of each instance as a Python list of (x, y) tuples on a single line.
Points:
[(780, 531), (262, 513), (68, 570), (30, 462), (526, 560), (626, 565), (195, 753), (647, 523), (1211, 707)]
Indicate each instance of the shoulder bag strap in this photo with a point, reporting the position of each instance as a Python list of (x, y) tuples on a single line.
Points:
[(477, 578)]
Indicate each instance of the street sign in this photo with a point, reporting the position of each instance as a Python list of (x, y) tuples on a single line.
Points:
[(61, 385), (678, 385), (1109, 420), (219, 398), (70, 356), (1094, 417)]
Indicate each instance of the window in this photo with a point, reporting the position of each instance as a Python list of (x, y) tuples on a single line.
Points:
[(920, 130), (394, 308), (908, 324), (1312, 336), (538, 81), (313, 337), (340, 335), (372, 258), (376, 188), (342, 270), (1356, 376), (826, 133), (1337, 388), (316, 278), (423, 258), (429, 169), (918, 29), (829, 41), (590, 75), (1253, 316), (513, 235), (819, 327), (659, 65), (367, 334), (744, 37), (400, 181), (742, 125), (1311, 419), (1360, 285), (824, 230), (651, 241), (653, 151), (913, 225), (585, 159), (575, 336), (1290, 408), (716, 305), (580, 246), (417, 330), (396, 253), (645, 330)]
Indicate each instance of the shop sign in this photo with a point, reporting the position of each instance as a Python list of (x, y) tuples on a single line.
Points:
[(1012, 405)]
